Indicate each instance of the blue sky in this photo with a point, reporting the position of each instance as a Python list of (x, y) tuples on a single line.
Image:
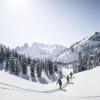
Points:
[(47, 21)]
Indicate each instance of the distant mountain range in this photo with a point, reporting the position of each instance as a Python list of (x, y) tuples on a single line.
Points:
[(41, 51), (58, 52)]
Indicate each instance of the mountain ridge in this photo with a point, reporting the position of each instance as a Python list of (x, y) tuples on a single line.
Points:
[(40, 50), (71, 53), (58, 52)]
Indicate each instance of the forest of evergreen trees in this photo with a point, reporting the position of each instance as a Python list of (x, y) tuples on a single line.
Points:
[(18, 64), (89, 58)]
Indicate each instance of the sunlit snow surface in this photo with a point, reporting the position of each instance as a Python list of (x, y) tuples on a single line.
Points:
[(83, 86)]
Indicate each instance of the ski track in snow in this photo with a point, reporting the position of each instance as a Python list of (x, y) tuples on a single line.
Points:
[(15, 88), (12, 87), (84, 86)]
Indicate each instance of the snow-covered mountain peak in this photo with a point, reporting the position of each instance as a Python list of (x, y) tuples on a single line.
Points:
[(41, 51), (72, 52), (25, 45), (95, 36), (89, 40), (35, 44)]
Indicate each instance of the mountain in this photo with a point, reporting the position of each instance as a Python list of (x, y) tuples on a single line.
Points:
[(58, 52), (72, 52), (41, 51), (83, 86)]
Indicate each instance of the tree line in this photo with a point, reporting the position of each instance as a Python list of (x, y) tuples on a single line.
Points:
[(18, 64), (89, 57)]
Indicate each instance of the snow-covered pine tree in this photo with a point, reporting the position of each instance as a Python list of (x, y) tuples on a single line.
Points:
[(50, 66), (32, 68), (11, 65), (39, 71), (6, 65), (81, 66), (55, 67), (24, 65)]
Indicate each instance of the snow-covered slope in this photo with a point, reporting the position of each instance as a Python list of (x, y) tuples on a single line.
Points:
[(83, 86), (38, 50), (72, 52)]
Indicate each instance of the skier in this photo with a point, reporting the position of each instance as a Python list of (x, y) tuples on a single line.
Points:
[(71, 74), (67, 79), (60, 83)]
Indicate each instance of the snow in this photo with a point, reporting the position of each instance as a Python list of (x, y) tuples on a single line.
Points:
[(69, 56), (58, 52), (41, 51), (84, 86)]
